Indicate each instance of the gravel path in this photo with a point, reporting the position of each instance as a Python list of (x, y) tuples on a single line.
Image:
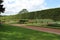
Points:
[(49, 30)]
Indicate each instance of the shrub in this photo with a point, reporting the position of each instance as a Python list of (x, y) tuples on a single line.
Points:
[(23, 21), (54, 25)]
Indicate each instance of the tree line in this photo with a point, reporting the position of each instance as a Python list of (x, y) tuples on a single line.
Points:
[(44, 14)]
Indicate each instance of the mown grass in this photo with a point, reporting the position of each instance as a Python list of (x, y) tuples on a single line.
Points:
[(8, 32)]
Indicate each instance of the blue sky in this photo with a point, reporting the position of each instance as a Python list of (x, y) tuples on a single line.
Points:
[(53, 3), (14, 6)]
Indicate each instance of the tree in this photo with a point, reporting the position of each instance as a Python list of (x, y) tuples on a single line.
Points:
[(1, 9), (23, 11), (1, 1)]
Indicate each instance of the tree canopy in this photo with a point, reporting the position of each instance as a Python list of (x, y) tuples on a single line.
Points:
[(1, 7), (44, 14)]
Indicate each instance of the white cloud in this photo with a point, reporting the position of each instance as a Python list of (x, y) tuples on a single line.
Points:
[(14, 6)]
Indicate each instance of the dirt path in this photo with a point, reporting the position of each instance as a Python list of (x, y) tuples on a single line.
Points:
[(49, 30)]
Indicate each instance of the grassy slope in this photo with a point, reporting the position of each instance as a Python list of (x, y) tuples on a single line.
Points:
[(16, 33)]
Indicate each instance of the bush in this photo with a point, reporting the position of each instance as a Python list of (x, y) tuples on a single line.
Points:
[(23, 21), (54, 25)]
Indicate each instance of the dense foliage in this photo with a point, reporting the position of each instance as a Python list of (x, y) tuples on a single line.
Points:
[(53, 14), (44, 14)]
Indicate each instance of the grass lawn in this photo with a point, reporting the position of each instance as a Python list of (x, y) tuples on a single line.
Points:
[(16, 33)]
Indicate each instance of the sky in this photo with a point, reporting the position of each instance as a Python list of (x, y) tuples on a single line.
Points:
[(14, 6)]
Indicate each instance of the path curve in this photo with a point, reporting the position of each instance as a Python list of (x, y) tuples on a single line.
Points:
[(49, 30)]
